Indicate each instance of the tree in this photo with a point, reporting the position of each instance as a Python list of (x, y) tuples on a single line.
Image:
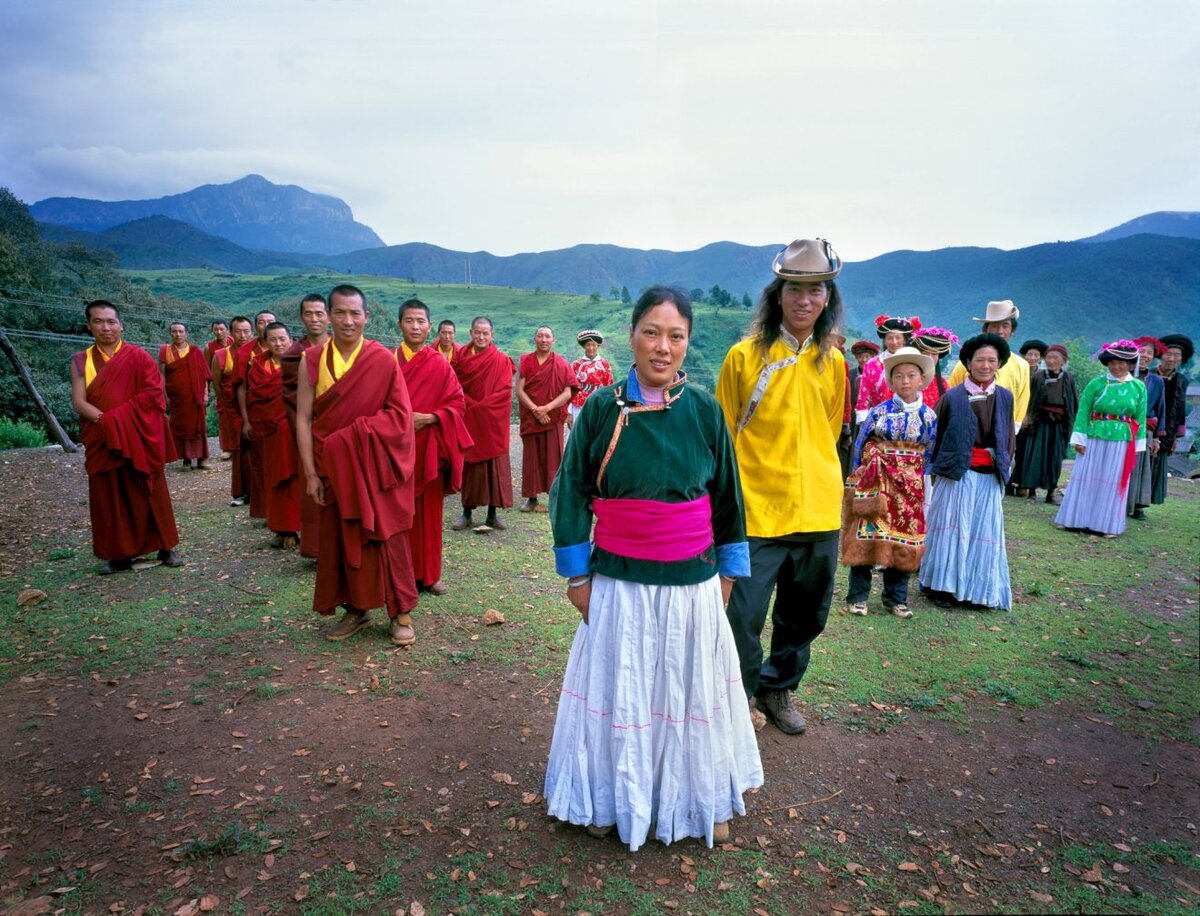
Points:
[(626, 299), (746, 303), (697, 294), (595, 296), (614, 293)]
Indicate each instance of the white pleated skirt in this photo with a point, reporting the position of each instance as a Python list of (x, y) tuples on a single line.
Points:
[(965, 552), (1094, 499), (653, 727)]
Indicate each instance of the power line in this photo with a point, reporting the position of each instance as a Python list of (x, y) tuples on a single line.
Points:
[(55, 337)]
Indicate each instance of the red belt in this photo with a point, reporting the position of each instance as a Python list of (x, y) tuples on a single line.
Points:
[(981, 458)]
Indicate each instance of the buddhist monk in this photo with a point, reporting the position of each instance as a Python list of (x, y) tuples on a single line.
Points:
[(486, 374), (314, 315), (441, 440), (249, 352), (354, 429), (266, 422), (229, 416), (220, 338), (445, 342), (186, 374), (545, 385), (118, 393)]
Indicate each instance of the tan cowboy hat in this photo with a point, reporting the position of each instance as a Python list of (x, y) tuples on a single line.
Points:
[(1000, 310), (807, 260), (922, 361)]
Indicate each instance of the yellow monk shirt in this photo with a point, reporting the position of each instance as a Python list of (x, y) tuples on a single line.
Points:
[(1013, 375), (787, 454)]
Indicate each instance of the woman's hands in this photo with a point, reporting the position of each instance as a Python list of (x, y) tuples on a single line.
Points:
[(580, 596)]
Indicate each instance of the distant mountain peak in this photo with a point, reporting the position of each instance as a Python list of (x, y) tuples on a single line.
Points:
[(252, 212), (1174, 223)]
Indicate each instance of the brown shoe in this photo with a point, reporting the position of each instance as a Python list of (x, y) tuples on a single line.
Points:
[(757, 718), (402, 634), (347, 625), (721, 833), (438, 588), (597, 832), (777, 704)]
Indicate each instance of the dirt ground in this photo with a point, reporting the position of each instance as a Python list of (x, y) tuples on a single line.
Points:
[(439, 790)]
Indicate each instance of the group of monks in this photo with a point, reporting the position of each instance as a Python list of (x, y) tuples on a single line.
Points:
[(342, 446)]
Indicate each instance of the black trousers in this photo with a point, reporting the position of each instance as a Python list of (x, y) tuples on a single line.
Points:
[(801, 572)]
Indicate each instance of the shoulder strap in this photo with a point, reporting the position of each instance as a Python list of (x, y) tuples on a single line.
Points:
[(760, 389)]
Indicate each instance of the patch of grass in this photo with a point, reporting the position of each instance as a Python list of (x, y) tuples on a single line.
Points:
[(269, 691), (235, 838), (61, 553)]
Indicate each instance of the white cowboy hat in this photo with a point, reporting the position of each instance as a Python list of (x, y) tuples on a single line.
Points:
[(1000, 310), (912, 355)]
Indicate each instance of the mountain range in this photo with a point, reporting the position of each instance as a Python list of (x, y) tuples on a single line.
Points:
[(1148, 267), (251, 212)]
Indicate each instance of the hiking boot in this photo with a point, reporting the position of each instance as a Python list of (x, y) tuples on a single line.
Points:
[(858, 608), (170, 558), (115, 566), (777, 704), (464, 521), (402, 634), (530, 505), (348, 624)]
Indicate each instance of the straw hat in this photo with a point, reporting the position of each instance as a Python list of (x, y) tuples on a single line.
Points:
[(807, 260)]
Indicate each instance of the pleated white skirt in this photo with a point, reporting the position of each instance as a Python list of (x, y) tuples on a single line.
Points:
[(965, 552), (653, 725)]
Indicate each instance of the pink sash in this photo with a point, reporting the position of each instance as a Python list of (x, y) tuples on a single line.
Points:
[(646, 529)]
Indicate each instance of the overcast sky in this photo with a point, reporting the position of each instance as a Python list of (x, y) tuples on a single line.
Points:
[(524, 126)]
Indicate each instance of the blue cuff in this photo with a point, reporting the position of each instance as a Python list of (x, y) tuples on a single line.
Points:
[(576, 560), (733, 560)]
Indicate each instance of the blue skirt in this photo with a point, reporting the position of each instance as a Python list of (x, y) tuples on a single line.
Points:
[(1094, 498), (965, 553)]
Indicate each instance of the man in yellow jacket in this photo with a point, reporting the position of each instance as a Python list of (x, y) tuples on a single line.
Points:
[(1001, 318), (783, 392)]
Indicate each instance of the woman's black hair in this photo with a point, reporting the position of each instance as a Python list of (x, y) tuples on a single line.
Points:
[(768, 319), (658, 295), (995, 341)]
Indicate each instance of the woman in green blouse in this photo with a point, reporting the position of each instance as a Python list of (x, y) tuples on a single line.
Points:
[(1110, 430)]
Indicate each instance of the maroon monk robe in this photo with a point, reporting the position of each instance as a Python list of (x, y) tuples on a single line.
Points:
[(215, 344), (310, 512), (126, 451), (256, 484), (187, 377), (269, 425), (440, 451), (542, 445), (363, 449), (487, 381), (229, 424)]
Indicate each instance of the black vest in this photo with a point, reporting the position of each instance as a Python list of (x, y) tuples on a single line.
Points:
[(956, 436)]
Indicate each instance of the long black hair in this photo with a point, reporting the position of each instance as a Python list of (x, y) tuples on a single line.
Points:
[(768, 318)]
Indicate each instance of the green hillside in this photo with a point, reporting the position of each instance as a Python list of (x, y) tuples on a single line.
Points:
[(516, 313)]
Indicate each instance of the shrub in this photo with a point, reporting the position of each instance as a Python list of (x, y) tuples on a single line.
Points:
[(20, 434)]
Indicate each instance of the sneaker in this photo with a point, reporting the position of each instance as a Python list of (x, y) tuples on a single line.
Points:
[(464, 521), (777, 704), (238, 501), (858, 609), (901, 610), (402, 634), (347, 625)]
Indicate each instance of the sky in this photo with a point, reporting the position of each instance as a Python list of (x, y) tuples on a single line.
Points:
[(526, 125)]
